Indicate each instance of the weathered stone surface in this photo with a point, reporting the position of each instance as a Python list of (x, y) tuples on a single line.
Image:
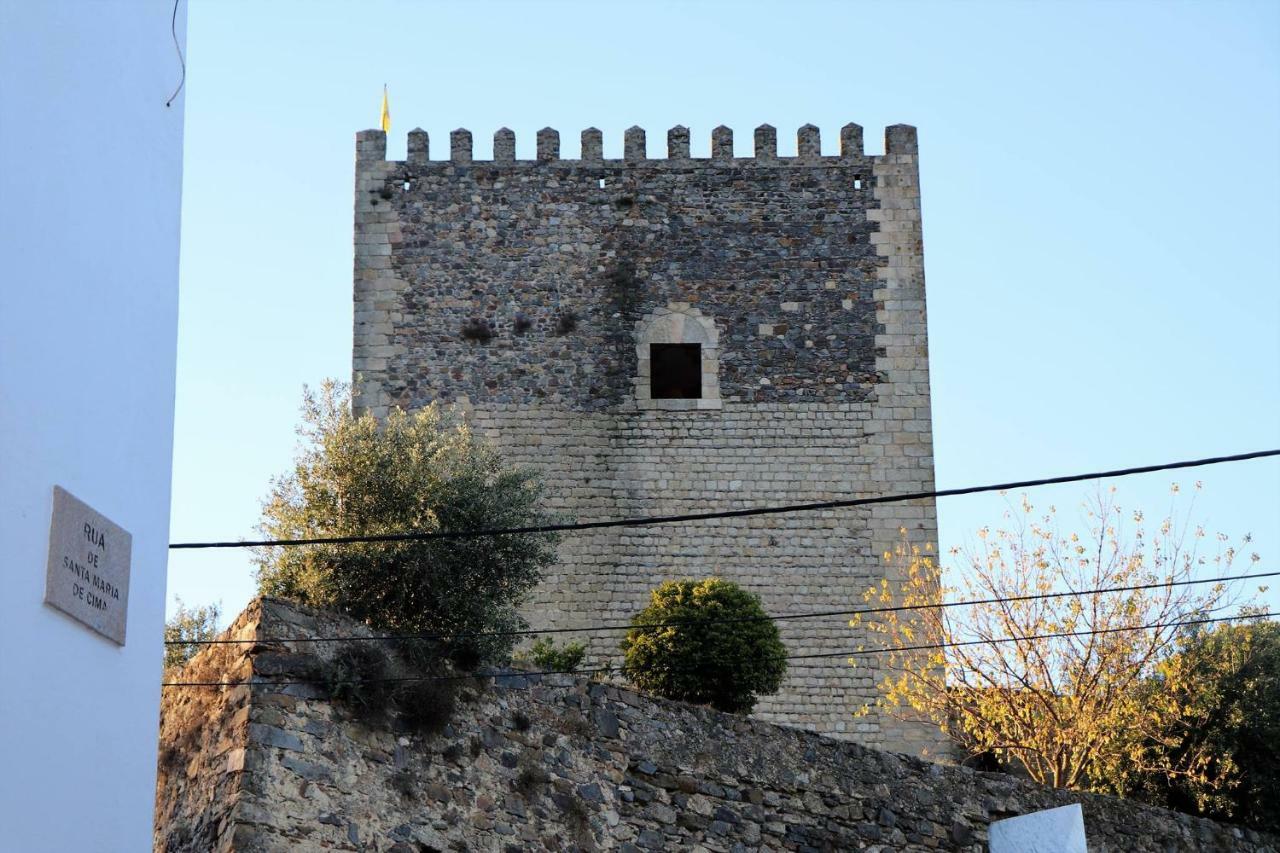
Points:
[(268, 735), (677, 778), (802, 279)]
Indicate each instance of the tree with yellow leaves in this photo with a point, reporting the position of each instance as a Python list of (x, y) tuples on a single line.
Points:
[(1060, 698)]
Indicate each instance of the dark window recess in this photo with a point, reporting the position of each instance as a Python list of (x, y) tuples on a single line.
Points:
[(675, 371)]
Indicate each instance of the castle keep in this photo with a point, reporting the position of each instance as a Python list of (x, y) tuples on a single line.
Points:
[(673, 335)]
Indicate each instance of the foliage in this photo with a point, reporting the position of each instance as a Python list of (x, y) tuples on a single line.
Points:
[(426, 705), (1218, 697), (372, 682), (1061, 707), (673, 650), (424, 471), (360, 675), (186, 630), (566, 658)]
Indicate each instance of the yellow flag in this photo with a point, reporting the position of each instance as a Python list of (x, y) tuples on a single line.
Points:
[(386, 112)]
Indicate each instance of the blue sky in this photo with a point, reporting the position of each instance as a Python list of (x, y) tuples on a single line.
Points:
[(1101, 200)]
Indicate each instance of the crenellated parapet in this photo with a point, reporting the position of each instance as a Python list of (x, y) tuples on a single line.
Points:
[(899, 139)]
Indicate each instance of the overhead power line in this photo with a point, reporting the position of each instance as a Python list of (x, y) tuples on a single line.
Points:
[(645, 521), (847, 654), (182, 60), (675, 623)]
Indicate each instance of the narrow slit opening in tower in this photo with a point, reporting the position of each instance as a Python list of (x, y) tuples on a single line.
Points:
[(675, 371)]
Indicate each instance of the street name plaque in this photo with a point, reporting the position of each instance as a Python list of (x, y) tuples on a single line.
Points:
[(88, 572)]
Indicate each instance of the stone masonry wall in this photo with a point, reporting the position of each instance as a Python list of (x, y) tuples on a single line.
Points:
[(204, 740), (527, 292), (559, 764)]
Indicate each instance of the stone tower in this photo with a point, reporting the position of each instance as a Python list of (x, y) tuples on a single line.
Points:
[(674, 335)]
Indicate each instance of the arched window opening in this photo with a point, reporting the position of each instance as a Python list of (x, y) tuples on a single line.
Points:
[(676, 371), (677, 359)]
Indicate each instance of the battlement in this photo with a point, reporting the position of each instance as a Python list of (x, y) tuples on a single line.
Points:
[(371, 146)]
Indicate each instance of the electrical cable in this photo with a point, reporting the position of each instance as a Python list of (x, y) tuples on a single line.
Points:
[(173, 29), (719, 514), (812, 656), (675, 623)]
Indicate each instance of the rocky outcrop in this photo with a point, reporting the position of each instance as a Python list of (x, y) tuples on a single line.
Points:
[(559, 763)]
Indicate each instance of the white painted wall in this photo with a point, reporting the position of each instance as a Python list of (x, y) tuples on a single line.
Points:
[(90, 185)]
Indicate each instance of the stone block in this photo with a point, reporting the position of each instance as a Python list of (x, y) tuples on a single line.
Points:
[(722, 143), (504, 146), (548, 144), (460, 146), (592, 145)]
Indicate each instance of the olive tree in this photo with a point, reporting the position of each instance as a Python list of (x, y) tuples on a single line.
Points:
[(421, 472), (186, 632)]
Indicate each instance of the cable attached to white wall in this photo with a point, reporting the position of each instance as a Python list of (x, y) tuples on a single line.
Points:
[(182, 60)]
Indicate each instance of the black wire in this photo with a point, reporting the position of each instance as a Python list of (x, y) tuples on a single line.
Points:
[(173, 28), (849, 654), (1030, 637), (737, 513), (725, 621)]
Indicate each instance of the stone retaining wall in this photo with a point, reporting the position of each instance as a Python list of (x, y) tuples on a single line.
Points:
[(560, 763)]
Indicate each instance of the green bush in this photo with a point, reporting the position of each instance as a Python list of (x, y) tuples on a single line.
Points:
[(1221, 688), (674, 649), (567, 658), (424, 471)]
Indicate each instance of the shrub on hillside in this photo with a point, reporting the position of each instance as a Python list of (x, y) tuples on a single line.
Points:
[(708, 642), (546, 655), (421, 472)]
